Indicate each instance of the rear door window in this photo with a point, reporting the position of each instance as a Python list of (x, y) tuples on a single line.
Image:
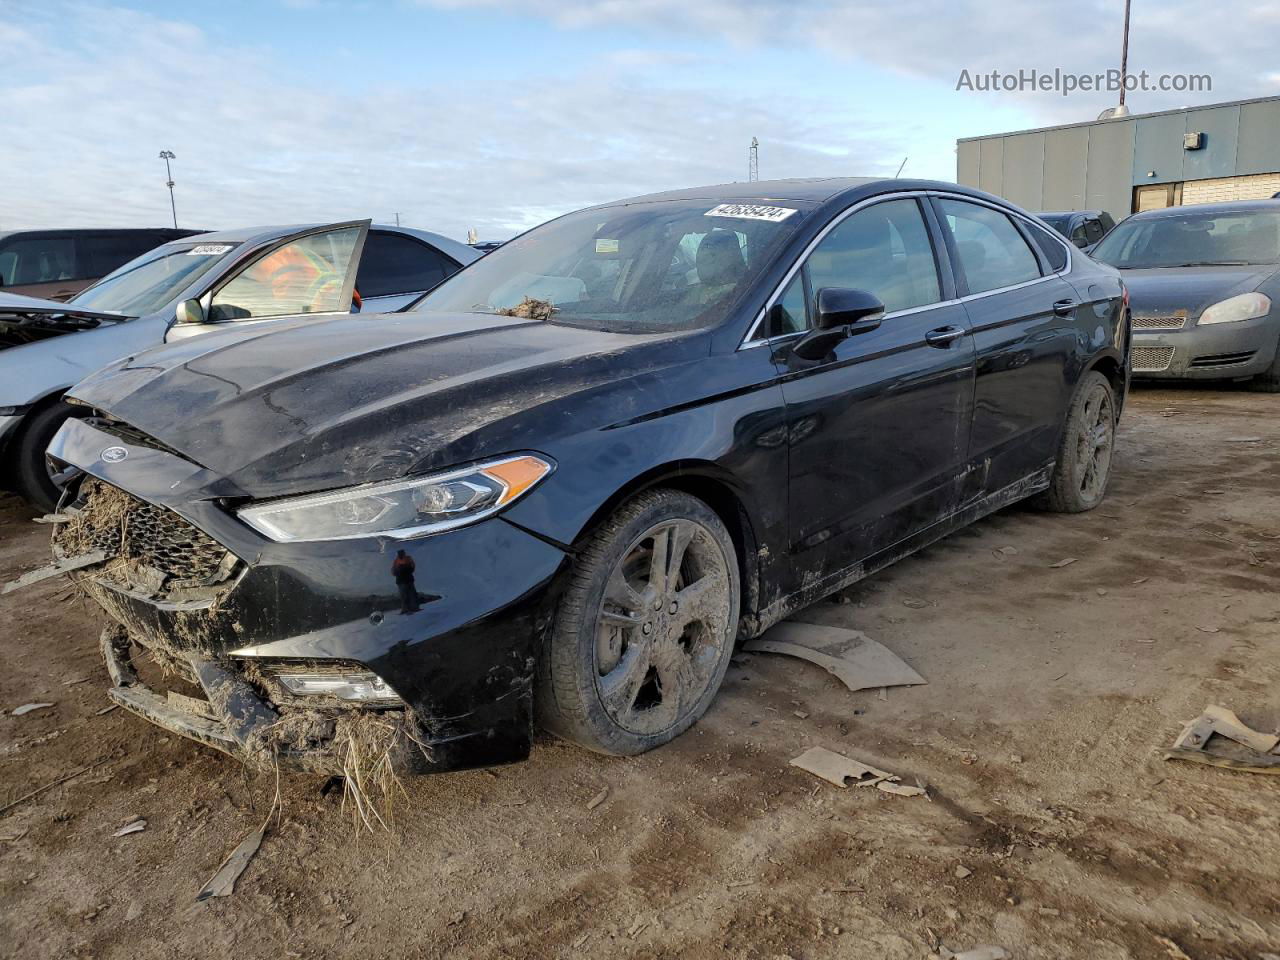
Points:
[(30, 260), (990, 250), (393, 264), (1050, 243)]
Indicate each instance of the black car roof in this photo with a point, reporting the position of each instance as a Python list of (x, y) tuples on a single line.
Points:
[(1227, 206), (800, 190)]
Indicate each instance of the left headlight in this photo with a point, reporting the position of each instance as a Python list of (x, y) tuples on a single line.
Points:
[(405, 508), (1246, 306)]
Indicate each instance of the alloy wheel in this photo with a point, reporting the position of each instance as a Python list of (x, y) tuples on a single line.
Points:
[(1095, 443), (662, 626)]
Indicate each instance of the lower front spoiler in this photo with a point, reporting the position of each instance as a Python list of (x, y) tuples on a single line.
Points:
[(234, 720)]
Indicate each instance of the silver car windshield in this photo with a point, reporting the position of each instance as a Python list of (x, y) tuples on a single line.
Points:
[(1193, 239), (147, 283), (639, 268)]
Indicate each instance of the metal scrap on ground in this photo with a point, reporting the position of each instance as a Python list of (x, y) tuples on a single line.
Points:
[(858, 661), (837, 768), (1193, 743)]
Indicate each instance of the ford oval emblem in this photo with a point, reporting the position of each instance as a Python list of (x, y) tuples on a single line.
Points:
[(114, 454)]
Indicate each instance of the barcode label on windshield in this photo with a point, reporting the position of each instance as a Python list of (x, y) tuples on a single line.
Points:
[(750, 211), (209, 250)]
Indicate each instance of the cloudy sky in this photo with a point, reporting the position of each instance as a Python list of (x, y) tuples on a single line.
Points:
[(498, 114)]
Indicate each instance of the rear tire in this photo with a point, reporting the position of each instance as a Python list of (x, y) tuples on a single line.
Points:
[(1269, 380), (1080, 476), (644, 632), (31, 474)]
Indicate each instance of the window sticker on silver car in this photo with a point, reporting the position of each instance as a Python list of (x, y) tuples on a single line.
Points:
[(210, 249), (750, 211)]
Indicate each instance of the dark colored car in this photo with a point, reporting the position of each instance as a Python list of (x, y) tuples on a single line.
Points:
[(57, 264), (1084, 228), (568, 480), (1205, 288)]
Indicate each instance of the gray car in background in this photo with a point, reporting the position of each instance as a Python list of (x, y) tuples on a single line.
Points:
[(223, 283), (1204, 290)]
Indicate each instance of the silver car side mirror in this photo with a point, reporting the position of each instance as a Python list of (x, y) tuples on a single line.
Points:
[(190, 311)]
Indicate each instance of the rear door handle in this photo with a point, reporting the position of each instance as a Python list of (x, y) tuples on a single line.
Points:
[(943, 336), (1064, 308)]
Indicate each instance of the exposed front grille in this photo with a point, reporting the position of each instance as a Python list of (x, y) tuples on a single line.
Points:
[(1158, 323), (1151, 359), (153, 541), (1223, 359)]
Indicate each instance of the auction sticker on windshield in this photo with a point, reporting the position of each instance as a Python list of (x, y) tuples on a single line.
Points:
[(209, 250), (750, 211)]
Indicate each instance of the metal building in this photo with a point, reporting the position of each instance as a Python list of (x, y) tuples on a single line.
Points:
[(1226, 151)]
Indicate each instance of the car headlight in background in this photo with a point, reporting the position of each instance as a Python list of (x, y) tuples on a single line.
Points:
[(405, 508), (1247, 306)]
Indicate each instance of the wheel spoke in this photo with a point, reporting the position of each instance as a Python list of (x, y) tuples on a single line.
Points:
[(622, 594), (669, 546), (698, 601), (619, 687)]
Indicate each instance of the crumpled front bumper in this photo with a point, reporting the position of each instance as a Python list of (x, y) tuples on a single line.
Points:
[(463, 663)]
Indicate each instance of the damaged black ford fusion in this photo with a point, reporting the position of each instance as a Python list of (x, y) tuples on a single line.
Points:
[(563, 486)]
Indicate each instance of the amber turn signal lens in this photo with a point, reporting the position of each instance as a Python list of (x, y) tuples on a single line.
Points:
[(517, 475)]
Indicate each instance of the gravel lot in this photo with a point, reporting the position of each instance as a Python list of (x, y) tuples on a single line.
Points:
[(1052, 692)]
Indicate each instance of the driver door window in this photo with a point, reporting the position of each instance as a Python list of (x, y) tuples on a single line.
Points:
[(883, 249), (301, 277)]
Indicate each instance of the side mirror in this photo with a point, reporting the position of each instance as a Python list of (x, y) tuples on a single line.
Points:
[(842, 312), (190, 311)]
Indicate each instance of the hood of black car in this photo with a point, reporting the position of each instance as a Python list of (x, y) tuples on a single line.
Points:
[(294, 407), (1186, 291)]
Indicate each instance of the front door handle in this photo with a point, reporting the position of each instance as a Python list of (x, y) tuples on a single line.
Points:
[(1064, 308), (943, 336)]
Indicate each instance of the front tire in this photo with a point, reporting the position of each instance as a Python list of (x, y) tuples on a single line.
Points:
[(643, 635), (31, 478), (1080, 476)]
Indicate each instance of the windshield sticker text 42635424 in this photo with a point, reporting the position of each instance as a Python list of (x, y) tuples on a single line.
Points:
[(750, 211)]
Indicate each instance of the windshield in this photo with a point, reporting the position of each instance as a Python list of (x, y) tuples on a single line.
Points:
[(640, 268), (1193, 239), (147, 284)]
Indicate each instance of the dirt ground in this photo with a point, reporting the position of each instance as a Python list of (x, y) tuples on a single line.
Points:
[(1052, 691)]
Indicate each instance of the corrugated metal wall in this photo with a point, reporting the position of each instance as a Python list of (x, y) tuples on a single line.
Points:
[(1100, 165)]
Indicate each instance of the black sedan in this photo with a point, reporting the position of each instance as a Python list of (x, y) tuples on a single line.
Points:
[(566, 483)]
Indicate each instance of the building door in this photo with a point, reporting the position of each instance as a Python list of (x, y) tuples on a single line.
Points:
[(1154, 197)]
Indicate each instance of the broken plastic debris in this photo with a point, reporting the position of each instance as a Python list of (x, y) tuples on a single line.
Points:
[(984, 952), (598, 799), (1064, 562), (1192, 743), (858, 661), (223, 883), (28, 707), (837, 768), (962, 871), (135, 825)]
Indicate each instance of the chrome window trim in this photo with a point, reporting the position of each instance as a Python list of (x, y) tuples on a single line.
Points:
[(750, 340)]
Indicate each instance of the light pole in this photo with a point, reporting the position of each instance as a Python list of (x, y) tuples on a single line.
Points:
[(166, 156), (1124, 53)]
